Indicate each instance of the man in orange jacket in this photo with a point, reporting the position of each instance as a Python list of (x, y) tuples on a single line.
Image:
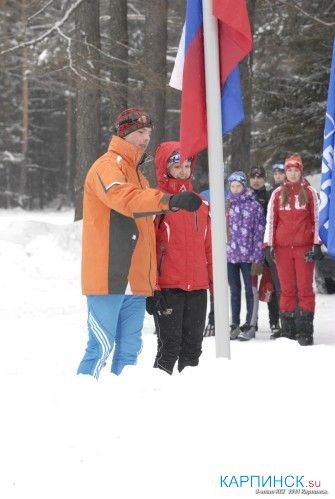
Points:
[(118, 244)]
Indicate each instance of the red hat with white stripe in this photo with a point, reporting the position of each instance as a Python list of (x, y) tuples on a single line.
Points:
[(294, 161)]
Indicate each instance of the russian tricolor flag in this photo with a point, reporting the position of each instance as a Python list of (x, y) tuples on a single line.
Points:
[(235, 42)]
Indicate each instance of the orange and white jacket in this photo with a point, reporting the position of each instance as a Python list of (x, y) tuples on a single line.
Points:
[(118, 244)]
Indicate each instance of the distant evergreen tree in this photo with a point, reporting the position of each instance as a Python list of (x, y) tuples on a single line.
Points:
[(291, 69)]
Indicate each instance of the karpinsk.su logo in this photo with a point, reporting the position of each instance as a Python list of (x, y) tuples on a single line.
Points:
[(273, 484)]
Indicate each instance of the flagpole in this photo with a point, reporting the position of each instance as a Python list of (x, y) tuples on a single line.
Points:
[(216, 181)]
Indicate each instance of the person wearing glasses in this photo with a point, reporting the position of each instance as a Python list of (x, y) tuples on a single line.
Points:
[(292, 236), (118, 244), (245, 253), (184, 259)]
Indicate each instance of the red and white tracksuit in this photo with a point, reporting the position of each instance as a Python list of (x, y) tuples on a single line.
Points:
[(292, 231)]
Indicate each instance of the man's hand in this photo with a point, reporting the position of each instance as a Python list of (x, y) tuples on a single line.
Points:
[(188, 201)]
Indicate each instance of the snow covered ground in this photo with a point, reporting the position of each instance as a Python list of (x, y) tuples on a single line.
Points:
[(269, 411)]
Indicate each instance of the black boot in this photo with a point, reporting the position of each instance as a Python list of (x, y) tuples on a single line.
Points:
[(288, 329), (182, 363), (304, 326), (275, 330)]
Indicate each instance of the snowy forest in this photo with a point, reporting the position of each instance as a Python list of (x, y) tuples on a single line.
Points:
[(69, 66)]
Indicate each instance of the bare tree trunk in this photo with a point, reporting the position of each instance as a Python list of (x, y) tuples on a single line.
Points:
[(4, 78), (88, 94), (154, 65), (68, 152), (241, 136), (4, 93), (25, 108), (119, 50)]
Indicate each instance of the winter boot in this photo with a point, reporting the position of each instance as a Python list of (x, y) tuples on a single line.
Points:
[(275, 331), (234, 331), (187, 363), (288, 329), (304, 326), (247, 333), (247, 326)]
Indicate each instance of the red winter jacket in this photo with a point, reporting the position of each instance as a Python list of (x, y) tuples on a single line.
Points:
[(183, 239), (292, 225)]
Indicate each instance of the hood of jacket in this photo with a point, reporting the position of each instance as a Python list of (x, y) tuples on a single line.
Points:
[(169, 184)]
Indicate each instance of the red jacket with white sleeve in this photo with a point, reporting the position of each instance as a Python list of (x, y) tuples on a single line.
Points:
[(292, 225)]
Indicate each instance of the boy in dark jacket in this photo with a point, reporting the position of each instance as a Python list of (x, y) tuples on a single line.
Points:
[(184, 268), (257, 184)]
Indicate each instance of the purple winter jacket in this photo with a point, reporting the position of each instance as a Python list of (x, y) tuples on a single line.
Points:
[(246, 225)]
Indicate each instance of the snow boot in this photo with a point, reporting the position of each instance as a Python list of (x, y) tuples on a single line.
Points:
[(288, 326), (187, 363), (234, 332), (247, 326), (247, 332), (304, 326), (275, 331)]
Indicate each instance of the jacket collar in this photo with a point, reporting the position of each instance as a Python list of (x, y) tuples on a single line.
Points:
[(132, 154), (241, 197)]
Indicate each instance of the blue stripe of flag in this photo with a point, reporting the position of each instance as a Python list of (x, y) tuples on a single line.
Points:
[(194, 21)]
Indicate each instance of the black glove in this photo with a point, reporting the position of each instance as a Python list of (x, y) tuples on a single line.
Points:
[(188, 201), (209, 330), (157, 304), (314, 254)]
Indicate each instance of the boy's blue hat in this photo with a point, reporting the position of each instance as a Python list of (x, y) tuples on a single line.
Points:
[(238, 177), (280, 167)]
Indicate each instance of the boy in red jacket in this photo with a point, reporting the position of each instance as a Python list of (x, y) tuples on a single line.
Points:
[(184, 261)]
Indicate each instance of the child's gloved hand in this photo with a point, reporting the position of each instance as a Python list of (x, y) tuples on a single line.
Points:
[(209, 330), (315, 253), (156, 304)]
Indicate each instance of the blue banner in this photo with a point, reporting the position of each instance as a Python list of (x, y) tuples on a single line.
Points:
[(327, 193)]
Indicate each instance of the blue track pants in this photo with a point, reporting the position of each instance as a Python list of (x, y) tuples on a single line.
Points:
[(113, 321)]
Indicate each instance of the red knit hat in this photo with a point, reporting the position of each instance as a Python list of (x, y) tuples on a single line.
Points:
[(294, 161), (130, 120)]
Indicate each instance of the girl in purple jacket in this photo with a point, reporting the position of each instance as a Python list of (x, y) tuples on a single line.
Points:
[(245, 254)]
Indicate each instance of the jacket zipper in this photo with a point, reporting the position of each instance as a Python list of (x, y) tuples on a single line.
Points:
[(147, 221), (161, 258), (196, 222)]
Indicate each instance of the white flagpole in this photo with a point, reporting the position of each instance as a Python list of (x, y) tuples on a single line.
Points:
[(216, 181)]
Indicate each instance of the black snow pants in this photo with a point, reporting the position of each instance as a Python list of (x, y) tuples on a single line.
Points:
[(180, 334), (273, 304)]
